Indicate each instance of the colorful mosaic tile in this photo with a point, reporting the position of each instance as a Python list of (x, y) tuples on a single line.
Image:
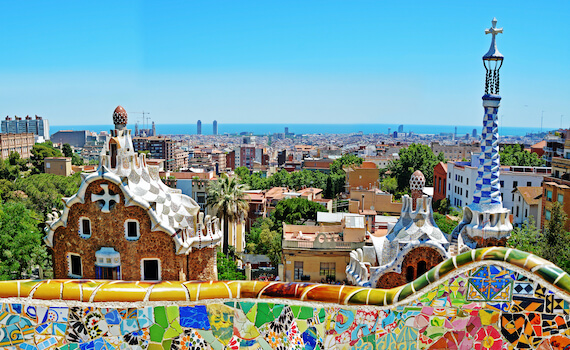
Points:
[(487, 307)]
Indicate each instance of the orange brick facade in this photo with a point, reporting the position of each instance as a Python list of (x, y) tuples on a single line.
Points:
[(108, 230)]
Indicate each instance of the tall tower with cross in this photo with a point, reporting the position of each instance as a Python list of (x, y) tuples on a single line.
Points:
[(485, 220)]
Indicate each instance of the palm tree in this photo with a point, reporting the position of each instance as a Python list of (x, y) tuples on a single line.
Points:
[(226, 198)]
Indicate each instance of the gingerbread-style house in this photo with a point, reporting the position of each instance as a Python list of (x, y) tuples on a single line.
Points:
[(125, 223)]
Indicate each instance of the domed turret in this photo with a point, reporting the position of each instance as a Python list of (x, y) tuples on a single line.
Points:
[(120, 117)]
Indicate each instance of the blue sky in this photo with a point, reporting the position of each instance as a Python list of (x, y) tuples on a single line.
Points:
[(416, 62)]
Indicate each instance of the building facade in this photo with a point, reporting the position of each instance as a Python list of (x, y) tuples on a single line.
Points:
[(124, 223), (19, 143), (37, 126), (159, 147)]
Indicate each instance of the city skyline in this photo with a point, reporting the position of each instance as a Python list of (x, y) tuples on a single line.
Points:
[(252, 62)]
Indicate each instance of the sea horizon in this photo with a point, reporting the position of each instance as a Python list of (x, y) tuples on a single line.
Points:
[(297, 128)]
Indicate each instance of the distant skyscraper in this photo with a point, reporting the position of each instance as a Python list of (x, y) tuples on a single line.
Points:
[(401, 128), (215, 127), (199, 128), (286, 130), (153, 129), (474, 134)]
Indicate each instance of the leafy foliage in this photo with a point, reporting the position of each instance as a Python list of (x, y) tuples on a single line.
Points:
[(414, 157), (332, 184), (226, 197), (21, 247), (66, 149), (263, 239), (389, 184), (39, 152), (296, 211), (227, 269), (45, 191), (445, 224), (526, 238), (517, 155)]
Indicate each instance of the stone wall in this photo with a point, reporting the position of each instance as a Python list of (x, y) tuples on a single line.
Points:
[(491, 298)]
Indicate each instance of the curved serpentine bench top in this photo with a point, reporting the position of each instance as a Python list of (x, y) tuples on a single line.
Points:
[(99, 291)]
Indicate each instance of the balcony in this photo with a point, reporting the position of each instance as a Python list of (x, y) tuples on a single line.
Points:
[(326, 245), (561, 163)]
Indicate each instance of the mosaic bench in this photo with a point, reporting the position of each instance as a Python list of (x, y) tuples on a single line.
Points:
[(490, 298)]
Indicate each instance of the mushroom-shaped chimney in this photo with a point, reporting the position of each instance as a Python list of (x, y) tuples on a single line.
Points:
[(120, 118), (417, 183), (492, 60)]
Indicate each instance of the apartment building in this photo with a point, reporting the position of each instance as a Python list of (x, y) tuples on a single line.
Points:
[(19, 143)]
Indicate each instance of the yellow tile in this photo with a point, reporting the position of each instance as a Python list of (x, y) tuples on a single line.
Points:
[(120, 291), (8, 289), (172, 291), (49, 290)]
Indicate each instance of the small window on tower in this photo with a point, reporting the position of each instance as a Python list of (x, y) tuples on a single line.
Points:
[(150, 270), (84, 227)]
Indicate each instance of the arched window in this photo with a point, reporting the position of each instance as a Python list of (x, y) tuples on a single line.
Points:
[(410, 274), (422, 267)]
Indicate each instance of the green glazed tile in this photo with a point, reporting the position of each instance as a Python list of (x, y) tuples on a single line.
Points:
[(305, 313), (156, 333), (406, 291), (277, 309), (252, 313), (264, 344), (176, 326), (172, 312), (322, 315), (155, 347), (517, 257), (497, 254), (170, 333), (463, 259), (359, 298), (549, 273), (445, 268), (160, 316), (263, 315), (166, 344), (231, 304), (246, 306), (65, 347), (564, 283), (295, 309), (73, 347), (207, 335), (431, 274), (421, 282)]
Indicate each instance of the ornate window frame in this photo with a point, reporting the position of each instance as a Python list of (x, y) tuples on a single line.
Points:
[(80, 229), (126, 225), (69, 268)]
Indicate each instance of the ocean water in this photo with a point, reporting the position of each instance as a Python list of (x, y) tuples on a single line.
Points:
[(264, 129)]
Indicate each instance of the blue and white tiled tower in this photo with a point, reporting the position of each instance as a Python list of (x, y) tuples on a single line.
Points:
[(485, 221)]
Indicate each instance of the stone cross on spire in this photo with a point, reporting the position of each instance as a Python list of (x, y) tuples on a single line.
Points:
[(493, 51)]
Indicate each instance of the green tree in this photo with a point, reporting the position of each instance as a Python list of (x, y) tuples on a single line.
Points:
[(76, 159), (516, 155), (442, 206), (21, 247), (295, 211), (414, 157), (66, 149), (41, 151), (227, 269), (226, 197), (556, 241), (346, 160), (389, 184), (45, 191), (526, 238), (264, 239)]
